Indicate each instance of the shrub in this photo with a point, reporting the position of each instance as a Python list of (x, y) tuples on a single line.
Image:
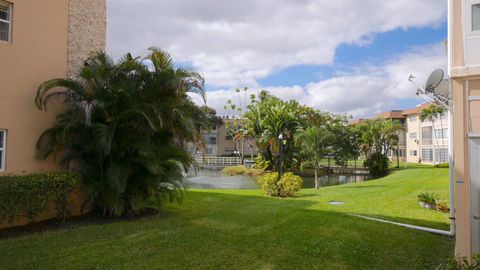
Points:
[(287, 186), (235, 170), (434, 201), (442, 165), (377, 165), (30, 195), (463, 263), (241, 170), (428, 198), (441, 205)]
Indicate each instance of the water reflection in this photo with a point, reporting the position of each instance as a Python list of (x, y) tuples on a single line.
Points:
[(211, 179)]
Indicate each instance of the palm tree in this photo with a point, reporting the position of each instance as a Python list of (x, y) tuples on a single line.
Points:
[(431, 113), (124, 127)]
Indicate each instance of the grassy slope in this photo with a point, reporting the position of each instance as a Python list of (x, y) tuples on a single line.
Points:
[(245, 230)]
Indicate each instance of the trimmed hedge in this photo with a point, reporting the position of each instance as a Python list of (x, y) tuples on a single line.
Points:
[(442, 165), (31, 195)]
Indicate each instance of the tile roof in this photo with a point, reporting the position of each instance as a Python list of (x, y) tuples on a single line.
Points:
[(395, 114), (417, 109)]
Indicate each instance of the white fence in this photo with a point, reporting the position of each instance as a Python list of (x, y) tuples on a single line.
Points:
[(217, 161)]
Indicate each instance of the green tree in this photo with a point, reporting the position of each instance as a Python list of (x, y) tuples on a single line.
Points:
[(267, 119), (432, 113), (315, 144), (123, 128), (376, 138)]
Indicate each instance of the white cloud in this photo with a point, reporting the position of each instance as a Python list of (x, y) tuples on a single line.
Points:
[(237, 42), (363, 92)]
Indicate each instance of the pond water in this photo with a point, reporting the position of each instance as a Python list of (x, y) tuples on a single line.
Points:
[(211, 179)]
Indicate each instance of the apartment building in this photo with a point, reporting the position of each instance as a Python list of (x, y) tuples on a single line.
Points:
[(218, 141), (464, 71), (419, 141), (39, 41), (426, 141)]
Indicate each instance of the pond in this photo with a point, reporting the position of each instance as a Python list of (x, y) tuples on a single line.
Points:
[(211, 179)]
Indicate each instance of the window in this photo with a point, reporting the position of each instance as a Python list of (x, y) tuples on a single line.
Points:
[(413, 135), (441, 133), (441, 155), (3, 145), (427, 135), (476, 17), (413, 153), (5, 21), (413, 119), (401, 152), (427, 154)]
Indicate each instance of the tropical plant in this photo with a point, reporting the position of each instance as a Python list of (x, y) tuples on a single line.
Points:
[(441, 205), (428, 198), (266, 120), (123, 128), (461, 263), (431, 113), (376, 138), (315, 144), (433, 201)]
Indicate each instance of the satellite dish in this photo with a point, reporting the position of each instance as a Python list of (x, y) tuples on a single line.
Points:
[(442, 89), (434, 80)]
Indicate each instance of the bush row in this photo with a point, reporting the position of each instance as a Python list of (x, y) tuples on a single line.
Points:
[(31, 195)]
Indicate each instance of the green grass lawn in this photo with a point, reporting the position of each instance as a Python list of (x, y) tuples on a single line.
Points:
[(218, 229)]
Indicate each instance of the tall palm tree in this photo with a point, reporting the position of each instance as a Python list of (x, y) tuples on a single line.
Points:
[(431, 113), (124, 128)]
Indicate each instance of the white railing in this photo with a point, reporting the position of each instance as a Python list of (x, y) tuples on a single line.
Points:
[(217, 161)]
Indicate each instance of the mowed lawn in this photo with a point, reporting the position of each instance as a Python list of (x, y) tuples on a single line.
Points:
[(218, 229)]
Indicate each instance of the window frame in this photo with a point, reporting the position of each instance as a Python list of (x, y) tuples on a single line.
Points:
[(468, 16), (427, 152), (472, 5), (3, 150), (9, 21)]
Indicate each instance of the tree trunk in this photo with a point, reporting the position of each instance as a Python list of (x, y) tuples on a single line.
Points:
[(316, 178), (433, 143), (398, 157)]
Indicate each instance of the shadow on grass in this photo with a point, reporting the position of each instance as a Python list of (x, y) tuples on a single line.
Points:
[(215, 230), (362, 186), (229, 231)]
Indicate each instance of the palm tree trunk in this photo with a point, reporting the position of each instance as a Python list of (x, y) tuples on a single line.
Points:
[(436, 141)]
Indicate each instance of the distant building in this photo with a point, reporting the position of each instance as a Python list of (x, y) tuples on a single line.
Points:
[(217, 141), (419, 142)]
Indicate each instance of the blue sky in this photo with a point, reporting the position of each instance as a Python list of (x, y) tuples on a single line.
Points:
[(343, 56), (382, 47)]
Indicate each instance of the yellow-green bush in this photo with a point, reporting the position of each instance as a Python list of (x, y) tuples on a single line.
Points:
[(235, 170), (241, 170), (287, 186)]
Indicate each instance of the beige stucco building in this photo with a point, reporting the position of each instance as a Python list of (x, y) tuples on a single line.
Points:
[(419, 141), (426, 141), (464, 71), (218, 142), (39, 40)]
